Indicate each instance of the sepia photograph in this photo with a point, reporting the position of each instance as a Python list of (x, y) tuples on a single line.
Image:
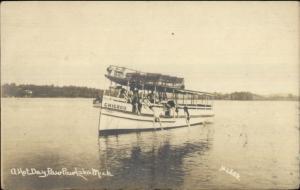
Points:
[(150, 95)]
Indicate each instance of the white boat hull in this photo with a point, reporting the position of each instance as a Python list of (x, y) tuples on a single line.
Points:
[(118, 122)]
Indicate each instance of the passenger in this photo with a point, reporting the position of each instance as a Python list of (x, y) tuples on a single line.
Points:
[(135, 102), (151, 97), (187, 115), (176, 110), (160, 97), (172, 112), (156, 114), (155, 97), (98, 99), (129, 97), (171, 108), (140, 106), (123, 93), (167, 109), (147, 102)]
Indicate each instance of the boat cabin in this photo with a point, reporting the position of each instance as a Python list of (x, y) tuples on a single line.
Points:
[(152, 89)]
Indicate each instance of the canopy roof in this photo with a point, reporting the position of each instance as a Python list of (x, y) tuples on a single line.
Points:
[(148, 81), (154, 78)]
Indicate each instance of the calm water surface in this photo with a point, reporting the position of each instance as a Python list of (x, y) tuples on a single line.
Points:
[(257, 140)]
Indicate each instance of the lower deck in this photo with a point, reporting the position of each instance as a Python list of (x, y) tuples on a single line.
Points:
[(118, 117)]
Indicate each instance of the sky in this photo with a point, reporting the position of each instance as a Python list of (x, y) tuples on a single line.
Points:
[(215, 46)]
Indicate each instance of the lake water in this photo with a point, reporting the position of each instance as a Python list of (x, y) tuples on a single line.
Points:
[(258, 140)]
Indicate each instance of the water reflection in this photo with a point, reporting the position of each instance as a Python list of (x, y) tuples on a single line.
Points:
[(151, 160)]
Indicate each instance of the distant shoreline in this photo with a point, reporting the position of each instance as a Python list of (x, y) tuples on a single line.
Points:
[(267, 100), (50, 91)]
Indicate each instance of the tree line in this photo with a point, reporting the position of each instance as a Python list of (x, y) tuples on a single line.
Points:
[(13, 90), (252, 96), (30, 90)]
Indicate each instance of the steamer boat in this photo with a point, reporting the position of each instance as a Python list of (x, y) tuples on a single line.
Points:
[(138, 101)]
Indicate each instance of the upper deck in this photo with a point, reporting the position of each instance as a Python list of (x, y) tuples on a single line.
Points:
[(149, 81)]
